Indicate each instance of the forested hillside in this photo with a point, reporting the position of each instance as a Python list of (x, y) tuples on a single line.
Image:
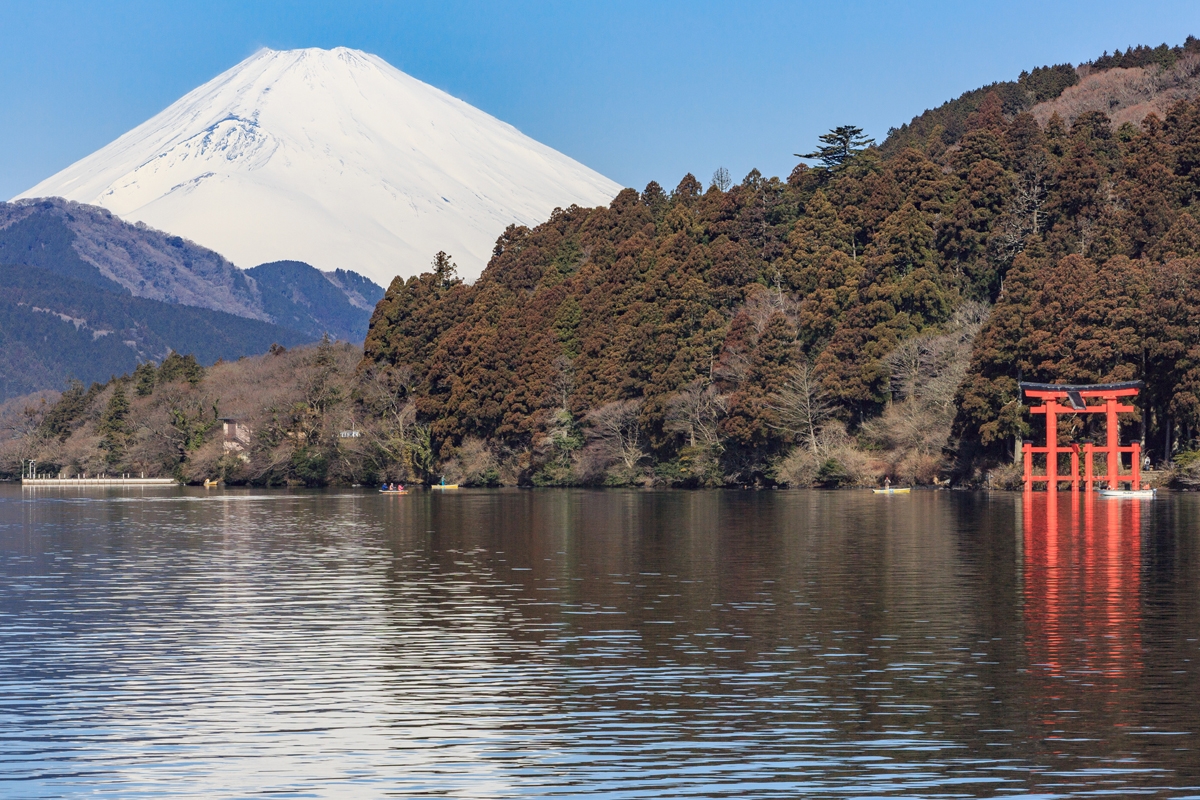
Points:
[(87, 243), (55, 328), (819, 328), (869, 316), (299, 296), (1111, 83), (85, 296)]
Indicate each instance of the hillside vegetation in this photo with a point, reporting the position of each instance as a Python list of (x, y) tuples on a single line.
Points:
[(821, 329), (90, 244), (166, 421), (85, 296), (55, 328), (1127, 94), (1142, 79), (866, 317), (298, 296)]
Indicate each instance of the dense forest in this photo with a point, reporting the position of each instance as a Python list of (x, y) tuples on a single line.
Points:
[(869, 316)]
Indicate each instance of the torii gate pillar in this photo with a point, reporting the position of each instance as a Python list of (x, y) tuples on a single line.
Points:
[(1076, 397)]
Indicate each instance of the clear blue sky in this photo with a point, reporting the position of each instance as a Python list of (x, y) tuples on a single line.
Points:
[(636, 90)]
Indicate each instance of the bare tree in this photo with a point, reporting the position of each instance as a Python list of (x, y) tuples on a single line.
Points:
[(20, 419), (1024, 218), (386, 392), (21, 416), (614, 428), (931, 367), (694, 412), (763, 302), (721, 179), (802, 405), (398, 437), (563, 382), (926, 372)]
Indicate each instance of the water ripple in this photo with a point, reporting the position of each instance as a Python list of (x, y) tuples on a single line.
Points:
[(617, 644)]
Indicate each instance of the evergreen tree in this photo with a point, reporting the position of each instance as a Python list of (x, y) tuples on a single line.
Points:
[(60, 420), (114, 425), (655, 198), (839, 146), (180, 368), (445, 271), (144, 377)]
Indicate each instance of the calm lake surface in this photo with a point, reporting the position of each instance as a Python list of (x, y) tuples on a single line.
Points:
[(177, 642)]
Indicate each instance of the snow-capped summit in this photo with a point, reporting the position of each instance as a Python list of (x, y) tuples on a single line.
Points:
[(334, 158)]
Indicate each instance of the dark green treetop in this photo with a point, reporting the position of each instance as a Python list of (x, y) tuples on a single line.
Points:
[(839, 146)]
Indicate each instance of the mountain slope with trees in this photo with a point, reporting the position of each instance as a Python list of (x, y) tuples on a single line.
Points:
[(868, 316), (301, 297), (1147, 78), (820, 328), (84, 296), (89, 243), (54, 329)]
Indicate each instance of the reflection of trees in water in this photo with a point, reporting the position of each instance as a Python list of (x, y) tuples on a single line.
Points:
[(668, 626), (772, 565), (487, 642), (706, 610)]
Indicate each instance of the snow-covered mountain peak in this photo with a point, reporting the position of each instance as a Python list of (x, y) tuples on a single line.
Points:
[(332, 157)]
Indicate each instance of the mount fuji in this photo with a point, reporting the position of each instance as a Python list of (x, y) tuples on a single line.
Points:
[(330, 157)]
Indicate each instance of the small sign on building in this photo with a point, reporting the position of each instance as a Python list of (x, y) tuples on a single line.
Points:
[(350, 434)]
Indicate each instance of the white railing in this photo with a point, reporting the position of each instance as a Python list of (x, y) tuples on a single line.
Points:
[(105, 481)]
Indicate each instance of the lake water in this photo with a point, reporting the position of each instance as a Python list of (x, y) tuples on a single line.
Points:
[(177, 642)]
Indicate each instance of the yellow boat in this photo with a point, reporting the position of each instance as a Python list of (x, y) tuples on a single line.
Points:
[(209, 483), (891, 490), (444, 486)]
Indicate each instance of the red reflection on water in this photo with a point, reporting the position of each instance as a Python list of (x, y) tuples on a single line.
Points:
[(1082, 587)]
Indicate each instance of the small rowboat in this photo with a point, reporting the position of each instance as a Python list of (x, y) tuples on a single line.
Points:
[(393, 491), (209, 483), (897, 490), (1129, 494)]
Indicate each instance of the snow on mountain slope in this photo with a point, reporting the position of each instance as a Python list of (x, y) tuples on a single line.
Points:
[(332, 157)]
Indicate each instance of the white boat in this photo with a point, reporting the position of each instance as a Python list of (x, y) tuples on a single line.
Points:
[(1129, 494)]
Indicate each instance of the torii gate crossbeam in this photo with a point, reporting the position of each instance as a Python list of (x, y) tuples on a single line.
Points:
[(1076, 397)]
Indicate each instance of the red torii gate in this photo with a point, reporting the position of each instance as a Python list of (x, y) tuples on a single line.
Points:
[(1076, 397)]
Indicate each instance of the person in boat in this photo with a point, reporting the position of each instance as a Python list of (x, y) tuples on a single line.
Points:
[(383, 488), (887, 482)]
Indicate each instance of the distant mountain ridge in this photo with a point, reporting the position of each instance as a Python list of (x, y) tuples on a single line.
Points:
[(56, 327), (91, 245), (300, 297)]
